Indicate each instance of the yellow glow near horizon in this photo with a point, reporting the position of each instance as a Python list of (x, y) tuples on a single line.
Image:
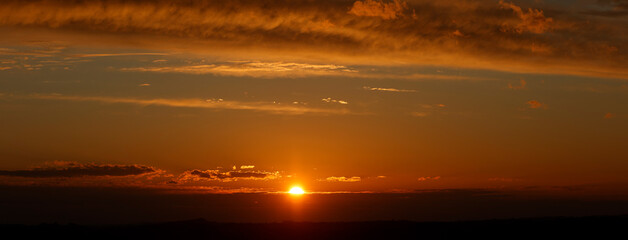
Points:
[(296, 191)]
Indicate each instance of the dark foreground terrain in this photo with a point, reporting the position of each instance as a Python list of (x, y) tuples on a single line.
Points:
[(602, 227)]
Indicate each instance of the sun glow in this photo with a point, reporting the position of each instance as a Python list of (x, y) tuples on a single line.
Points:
[(296, 191)]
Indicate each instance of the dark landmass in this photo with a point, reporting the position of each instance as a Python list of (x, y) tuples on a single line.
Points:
[(598, 227), (105, 206)]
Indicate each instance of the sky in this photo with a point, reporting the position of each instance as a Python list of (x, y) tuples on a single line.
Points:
[(232, 97)]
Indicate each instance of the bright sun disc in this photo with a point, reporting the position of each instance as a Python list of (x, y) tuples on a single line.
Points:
[(296, 190)]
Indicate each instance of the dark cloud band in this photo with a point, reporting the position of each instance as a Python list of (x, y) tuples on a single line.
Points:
[(81, 170)]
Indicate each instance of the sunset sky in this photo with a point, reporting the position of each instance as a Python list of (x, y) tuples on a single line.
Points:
[(333, 96)]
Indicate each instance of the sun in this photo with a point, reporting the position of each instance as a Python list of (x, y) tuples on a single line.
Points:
[(296, 191)]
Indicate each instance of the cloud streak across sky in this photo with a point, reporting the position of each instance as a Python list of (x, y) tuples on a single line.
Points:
[(81, 170), (387, 89), (269, 107), (497, 35), (252, 69)]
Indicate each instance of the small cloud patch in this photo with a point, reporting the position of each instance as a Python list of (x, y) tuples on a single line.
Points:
[(534, 104), (330, 100), (342, 179), (422, 179)]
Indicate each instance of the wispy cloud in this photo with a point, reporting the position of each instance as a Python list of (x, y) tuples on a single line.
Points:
[(428, 109), (433, 106), (376, 8), (38, 57), (419, 114), (91, 55), (31, 53), (387, 89), (522, 85), (485, 34), (252, 69), (269, 107), (536, 104), (610, 8), (533, 20)]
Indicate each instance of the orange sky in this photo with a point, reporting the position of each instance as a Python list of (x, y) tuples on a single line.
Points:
[(335, 96)]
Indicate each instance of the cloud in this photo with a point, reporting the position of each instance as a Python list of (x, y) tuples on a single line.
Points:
[(342, 179), (421, 179), (247, 167), (419, 114), (90, 55), (37, 57), (433, 106), (375, 8), (71, 169), (613, 8), (144, 85), (196, 103), (536, 104), (428, 109), (522, 85), (252, 69), (609, 115), (330, 100), (218, 175), (387, 89), (35, 53), (495, 35), (532, 21)]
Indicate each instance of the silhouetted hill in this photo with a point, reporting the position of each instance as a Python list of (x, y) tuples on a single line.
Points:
[(601, 227)]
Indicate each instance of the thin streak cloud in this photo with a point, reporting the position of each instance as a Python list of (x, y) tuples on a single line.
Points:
[(252, 69), (116, 55), (388, 89), (81, 170), (269, 107)]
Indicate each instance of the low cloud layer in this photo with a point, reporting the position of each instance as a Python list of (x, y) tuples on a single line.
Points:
[(226, 176), (486, 34), (81, 170)]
